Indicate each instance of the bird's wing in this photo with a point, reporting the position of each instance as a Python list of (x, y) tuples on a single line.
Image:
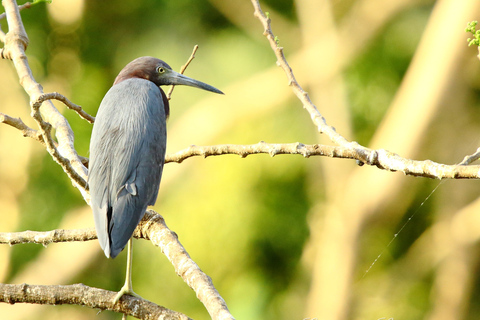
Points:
[(127, 153)]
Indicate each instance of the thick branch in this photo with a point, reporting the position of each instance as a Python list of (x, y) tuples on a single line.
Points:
[(26, 5), (80, 294), (16, 41), (153, 227)]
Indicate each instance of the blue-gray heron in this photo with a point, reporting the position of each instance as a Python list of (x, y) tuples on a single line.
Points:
[(127, 152)]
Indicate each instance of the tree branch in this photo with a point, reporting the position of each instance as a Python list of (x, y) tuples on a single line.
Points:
[(20, 125), (80, 294), (75, 107), (16, 41), (45, 130), (47, 237), (380, 158), (182, 70), (153, 228), (302, 95), (26, 5)]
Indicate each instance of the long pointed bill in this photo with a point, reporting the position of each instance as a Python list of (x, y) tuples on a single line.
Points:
[(176, 78)]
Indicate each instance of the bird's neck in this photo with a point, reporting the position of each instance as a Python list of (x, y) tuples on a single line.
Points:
[(166, 105)]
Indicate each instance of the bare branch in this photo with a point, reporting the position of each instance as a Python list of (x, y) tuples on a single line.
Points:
[(182, 70), (26, 5), (379, 158), (470, 158), (45, 129), (2, 39), (80, 294), (153, 228), (302, 95), (16, 41), (75, 107), (20, 125), (47, 237)]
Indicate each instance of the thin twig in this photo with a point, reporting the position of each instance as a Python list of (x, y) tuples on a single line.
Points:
[(26, 5), (182, 70), (75, 107), (45, 130), (80, 294), (470, 158)]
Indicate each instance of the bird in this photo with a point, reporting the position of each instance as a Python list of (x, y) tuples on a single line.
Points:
[(127, 152)]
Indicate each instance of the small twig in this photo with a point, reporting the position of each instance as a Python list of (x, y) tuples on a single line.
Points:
[(45, 130), (75, 107), (2, 38), (182, 70), (80, 294), (20, 125), (26, 5), (470, 158)]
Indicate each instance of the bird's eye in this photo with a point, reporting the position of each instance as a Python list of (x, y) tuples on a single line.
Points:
[(160, 70)]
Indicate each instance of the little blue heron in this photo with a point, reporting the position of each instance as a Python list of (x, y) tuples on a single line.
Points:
[(127, 152)]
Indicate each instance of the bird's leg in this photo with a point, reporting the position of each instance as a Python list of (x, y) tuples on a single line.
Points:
[(127, 287)]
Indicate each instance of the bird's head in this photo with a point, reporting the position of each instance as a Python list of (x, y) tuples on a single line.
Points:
[(160, 73)]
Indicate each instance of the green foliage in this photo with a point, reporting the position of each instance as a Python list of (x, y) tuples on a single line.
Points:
[(41, 1), (471, 28)]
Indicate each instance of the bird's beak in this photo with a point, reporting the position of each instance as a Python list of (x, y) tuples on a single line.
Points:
[(179, 79)]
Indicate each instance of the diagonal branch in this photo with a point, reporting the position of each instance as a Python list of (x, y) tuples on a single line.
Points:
[(20, 125), (182, 70), (381, 158), (153, 228), (301, 94), (16, 42), (45, 130), (80, 294)]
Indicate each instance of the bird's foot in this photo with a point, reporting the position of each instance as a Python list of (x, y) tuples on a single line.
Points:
[(125, 290)]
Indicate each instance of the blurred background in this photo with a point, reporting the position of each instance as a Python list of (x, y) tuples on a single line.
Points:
[(283, 237)]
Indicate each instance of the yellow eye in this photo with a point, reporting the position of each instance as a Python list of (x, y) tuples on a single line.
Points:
[(160, 70)]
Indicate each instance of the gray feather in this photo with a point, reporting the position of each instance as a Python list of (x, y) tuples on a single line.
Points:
[(127, 154)]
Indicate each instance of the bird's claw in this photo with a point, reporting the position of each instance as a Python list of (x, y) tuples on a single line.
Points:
[(125, 290)]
